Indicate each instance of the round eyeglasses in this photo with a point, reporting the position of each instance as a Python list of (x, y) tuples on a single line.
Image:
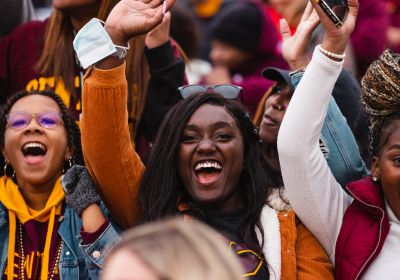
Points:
[(20, 119)]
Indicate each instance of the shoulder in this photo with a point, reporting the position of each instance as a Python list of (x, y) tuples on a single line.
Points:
[(366, 191), (30, 28)]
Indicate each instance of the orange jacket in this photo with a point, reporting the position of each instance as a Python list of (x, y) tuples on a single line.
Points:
[(117, 169)]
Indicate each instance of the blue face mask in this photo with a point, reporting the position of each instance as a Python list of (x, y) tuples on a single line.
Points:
[(92, 43)]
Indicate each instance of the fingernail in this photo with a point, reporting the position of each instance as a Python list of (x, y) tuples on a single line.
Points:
[(164, 7)]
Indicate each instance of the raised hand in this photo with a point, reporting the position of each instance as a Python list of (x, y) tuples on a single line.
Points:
[(295, 48), (160, 34), (335, 39), (130, 18)]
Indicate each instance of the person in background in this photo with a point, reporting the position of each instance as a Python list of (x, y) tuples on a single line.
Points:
[(244, 41), (14, 13), (393, 32), (171, 249), (342, 154), (368, 39), (186, 32)]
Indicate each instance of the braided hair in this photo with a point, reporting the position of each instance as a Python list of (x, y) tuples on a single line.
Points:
[(73, 132), (381, 98)]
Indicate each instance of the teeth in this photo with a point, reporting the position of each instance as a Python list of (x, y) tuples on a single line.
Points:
[(207, 164), (34, 145)]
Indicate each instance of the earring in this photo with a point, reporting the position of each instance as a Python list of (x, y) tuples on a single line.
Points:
[(69, 163), (5, 170), (375, 179)]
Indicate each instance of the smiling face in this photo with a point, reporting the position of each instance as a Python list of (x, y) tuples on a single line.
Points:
[(35, 153), (275, 109), (211, 158), (386, 167)]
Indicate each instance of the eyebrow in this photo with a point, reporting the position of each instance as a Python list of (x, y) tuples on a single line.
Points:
[(394, 146), (216, 125)]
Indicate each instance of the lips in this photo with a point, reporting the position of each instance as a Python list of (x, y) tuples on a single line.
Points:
[(208, 171), (34, 151), (268, 120)]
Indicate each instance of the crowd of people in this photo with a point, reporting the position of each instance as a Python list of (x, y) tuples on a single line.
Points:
[(215, 139)]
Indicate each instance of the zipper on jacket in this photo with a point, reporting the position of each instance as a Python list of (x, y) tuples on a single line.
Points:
[(380, 232)]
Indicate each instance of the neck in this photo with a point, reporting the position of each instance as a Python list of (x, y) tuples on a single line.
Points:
[(84, 15), (36, 196), (79, 21)]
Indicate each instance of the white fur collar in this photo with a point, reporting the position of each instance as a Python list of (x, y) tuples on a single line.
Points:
[(278, 200), (272, 241)]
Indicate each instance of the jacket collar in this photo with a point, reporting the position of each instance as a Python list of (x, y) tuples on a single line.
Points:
[(272, 241), (368, 194)]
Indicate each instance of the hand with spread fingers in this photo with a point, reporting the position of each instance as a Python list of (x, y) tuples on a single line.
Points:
[(130, 18), (295, 48), (335, 39)]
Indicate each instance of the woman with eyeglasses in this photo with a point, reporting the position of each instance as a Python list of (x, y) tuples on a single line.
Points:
[(39, 55), (206, 164), (40, 141)]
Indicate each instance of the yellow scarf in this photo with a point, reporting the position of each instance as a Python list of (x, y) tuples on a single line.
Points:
[(12, 199)]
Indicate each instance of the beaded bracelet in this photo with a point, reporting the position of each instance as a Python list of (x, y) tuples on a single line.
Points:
[(331, 54)]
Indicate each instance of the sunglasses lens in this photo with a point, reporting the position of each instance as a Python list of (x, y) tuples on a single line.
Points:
[(192, 89), (49, 119), (228, 91), (18, 120)]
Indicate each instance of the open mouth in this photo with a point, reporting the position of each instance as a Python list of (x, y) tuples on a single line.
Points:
[(34, 151), (208, 171)]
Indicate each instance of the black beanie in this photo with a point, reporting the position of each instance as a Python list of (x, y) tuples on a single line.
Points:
[(238, 25)]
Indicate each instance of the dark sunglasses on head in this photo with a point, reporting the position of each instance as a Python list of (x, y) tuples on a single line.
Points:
[(227, 91), (19, 120)]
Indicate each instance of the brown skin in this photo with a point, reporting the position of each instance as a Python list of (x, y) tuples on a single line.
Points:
[(275, 109), (36, 180), (212, 134), (386, 167), (80, 11)]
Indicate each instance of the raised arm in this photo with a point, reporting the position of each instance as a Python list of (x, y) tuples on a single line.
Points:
[(106, 142), (311, 188)]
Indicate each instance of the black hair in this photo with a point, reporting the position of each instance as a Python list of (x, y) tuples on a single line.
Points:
[(161, 186), (388, 126), (73, 132)]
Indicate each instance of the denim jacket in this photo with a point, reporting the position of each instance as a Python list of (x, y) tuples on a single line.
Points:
[(74, 263), (338, 144)]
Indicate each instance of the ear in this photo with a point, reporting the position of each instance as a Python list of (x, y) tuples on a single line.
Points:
[(4, 154), (375, 170)]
